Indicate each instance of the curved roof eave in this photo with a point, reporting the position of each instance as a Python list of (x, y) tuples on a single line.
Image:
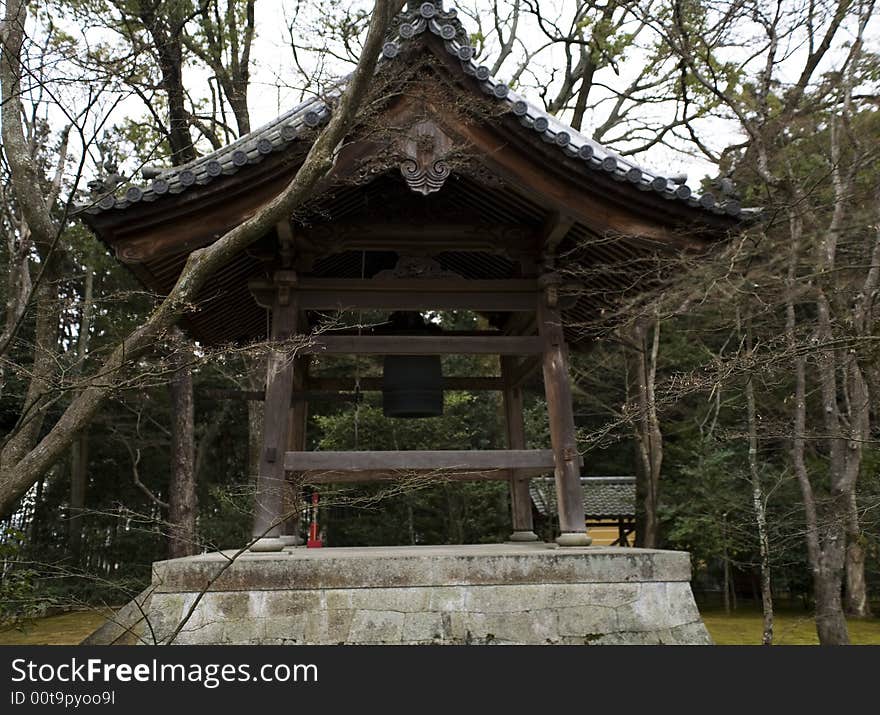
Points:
[(282, 131)]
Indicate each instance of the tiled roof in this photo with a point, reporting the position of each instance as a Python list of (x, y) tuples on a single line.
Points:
[(604, 497), (249, 149), (282, 131)]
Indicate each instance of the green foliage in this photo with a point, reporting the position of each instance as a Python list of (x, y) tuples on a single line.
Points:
[(20, 597), (421, 511), (701, 502)]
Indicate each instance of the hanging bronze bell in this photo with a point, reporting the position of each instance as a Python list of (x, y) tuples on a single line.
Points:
[(412, 385)]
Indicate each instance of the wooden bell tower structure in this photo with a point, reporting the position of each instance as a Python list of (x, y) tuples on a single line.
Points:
[(452, 192)]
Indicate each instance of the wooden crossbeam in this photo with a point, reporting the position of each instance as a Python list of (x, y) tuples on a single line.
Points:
[(401, 235), (297, 396), (422, 345), (421, 476), (407, 294), (421, 461), (446, 333), (327, 388), (374, 384)]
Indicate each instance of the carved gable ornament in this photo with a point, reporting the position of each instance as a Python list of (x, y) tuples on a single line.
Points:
[(425, 149), (417, 267)]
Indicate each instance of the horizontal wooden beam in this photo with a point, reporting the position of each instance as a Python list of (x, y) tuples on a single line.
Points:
[(420, 461), (340, 389), (445, 333), (374, 384), (422, 345), (513, 295), (297, 396), (401, 236), (418, 477)]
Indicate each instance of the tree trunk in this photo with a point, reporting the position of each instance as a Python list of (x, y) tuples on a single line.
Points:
[(830, 621), (226, 49), (79, 470), (825, 544), (646, 430), (580, 107), (182, 497), (18, 279), (24, 435), (857, 603), (166, 33), (79, 453), (725, 586), (758, 501), (255, 369), (35, 509)]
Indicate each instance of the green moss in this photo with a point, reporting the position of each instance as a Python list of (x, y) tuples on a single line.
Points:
[(64, 629), (743, 627)]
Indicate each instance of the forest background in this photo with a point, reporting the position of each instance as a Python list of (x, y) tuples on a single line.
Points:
[(741, 393)]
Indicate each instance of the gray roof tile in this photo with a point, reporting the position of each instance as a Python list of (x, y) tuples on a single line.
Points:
[(604, 497)]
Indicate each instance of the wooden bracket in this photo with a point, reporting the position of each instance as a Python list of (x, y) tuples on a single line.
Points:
[(284, 282), (555, 229), (550, 282), (286, 243)]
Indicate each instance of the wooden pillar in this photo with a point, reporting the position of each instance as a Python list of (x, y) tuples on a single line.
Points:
[(557, 388), (520, 500), (269, 498), (296, 442)]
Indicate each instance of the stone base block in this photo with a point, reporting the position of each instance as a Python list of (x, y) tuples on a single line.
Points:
[(493, 594), (523, 536), (268, 544), (573, 538)]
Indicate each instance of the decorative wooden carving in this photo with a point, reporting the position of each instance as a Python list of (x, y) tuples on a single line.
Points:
[(417, 267), (425, 149)]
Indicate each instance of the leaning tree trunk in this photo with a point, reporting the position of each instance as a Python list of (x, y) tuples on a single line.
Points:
[(20, 474), (182, 497)]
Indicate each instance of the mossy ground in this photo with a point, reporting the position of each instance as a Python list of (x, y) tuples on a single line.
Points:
[(64, 629), (790, 627)]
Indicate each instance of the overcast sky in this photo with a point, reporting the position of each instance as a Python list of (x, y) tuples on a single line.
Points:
[(277, 82)]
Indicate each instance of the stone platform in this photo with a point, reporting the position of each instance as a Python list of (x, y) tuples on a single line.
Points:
[(488, 594)]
